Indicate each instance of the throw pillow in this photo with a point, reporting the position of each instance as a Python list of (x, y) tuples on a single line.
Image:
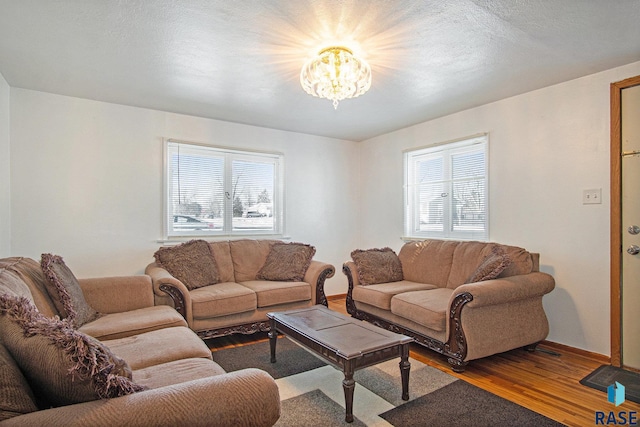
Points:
[(287, 262), (192, 263), (63, 366), (491, 267), (377, 266), (16, 397), (65, 292)]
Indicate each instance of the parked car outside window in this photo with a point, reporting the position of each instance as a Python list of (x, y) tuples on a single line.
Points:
[(185, 222)]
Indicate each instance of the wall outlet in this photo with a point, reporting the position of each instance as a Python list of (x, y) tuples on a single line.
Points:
[(592, 197)]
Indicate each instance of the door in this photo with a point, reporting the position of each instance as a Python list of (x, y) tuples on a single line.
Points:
[(630, 262)]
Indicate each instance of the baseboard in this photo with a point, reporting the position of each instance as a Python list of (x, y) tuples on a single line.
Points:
[(560, 348)]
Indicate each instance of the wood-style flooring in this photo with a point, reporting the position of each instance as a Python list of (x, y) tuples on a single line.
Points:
[(543, 382)]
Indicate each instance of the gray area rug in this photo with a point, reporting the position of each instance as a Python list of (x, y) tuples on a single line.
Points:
[(311, 392)]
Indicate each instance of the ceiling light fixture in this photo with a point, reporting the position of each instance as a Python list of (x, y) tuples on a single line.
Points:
[(336, 74)]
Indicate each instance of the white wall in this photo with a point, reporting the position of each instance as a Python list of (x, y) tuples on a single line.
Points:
[(546, 147), (5, 167), (86, 182)]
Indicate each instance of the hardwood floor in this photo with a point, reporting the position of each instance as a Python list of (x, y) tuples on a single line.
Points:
[(543, 382)]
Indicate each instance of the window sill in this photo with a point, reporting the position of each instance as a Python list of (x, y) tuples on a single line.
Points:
[(169, 241)]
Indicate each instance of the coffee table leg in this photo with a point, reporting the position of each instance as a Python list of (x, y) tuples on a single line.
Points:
[(405, 366), (273, 339), (349, 385)]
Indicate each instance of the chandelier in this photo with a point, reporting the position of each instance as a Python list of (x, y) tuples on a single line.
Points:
[(336, 74)]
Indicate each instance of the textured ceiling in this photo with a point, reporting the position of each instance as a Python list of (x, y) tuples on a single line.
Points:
[(240, 60)]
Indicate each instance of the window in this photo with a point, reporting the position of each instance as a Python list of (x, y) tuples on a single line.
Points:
[(213, 191), (446, 190)]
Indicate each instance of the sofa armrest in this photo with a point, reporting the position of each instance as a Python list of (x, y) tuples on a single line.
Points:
[(349, 269), (316, 275), (248, 397), (164, 284), (507, 289), (118, 294)]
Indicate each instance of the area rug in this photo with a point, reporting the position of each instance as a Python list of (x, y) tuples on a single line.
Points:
[(311, 392), (605, 375)]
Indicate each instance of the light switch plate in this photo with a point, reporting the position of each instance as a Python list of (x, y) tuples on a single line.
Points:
[(592, 197)]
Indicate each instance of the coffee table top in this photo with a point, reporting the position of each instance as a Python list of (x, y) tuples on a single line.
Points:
[(348, 337)]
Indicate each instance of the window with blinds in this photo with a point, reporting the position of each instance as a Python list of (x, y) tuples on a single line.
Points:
[(215, 191), (446, 190)]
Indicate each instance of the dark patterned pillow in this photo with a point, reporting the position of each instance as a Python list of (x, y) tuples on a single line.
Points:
[(287, 262), (491, 266), (377, 266), (192, 263), (63, 366), (64, 290)]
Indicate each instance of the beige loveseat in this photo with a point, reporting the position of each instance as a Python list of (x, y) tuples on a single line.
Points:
[(240, 297), (466, 300), (143, 366)]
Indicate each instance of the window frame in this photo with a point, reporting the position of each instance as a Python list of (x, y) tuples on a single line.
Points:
[(412, 211), (229, 155)]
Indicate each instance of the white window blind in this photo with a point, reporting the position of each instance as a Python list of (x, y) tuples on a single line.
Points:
[(446, 190), (215, 191)]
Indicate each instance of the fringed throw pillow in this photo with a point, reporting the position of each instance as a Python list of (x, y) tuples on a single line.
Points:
[(65, 292), (192, 263), (377, 266), (63, 366), (491, 266), (287, 262)]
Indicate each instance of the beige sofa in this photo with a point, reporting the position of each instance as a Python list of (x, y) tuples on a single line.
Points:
[(240, 299), (161, 372), (466, 300)]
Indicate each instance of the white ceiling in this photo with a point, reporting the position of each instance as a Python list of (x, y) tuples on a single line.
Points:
[(239, 60)]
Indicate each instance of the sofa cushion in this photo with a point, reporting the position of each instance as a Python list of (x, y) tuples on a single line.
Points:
[(191, 262), (61, 364), (379, 295), (16, 397), (161, 346), (222, 253), (270, 293), (133, 322), (11, 281), (23, 277), (427, 261), (467, 256), (427, 308), (377, 266), (182, 370), (221, 300), (248, 257), (521, 261), (286, 262), (65, 291), (491, 266)]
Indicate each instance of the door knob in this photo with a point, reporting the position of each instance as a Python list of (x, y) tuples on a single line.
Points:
[(633, 250), (634, 229)]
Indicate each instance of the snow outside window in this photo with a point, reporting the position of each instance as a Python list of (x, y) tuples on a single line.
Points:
[(446, 190), (211, 191)]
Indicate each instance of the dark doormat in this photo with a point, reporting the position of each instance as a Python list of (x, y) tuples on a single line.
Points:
[(606, 375)]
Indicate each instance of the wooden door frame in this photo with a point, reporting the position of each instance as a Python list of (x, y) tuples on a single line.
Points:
[(616, 216)]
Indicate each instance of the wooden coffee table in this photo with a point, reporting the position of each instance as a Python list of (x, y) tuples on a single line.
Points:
[(345, 342)]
